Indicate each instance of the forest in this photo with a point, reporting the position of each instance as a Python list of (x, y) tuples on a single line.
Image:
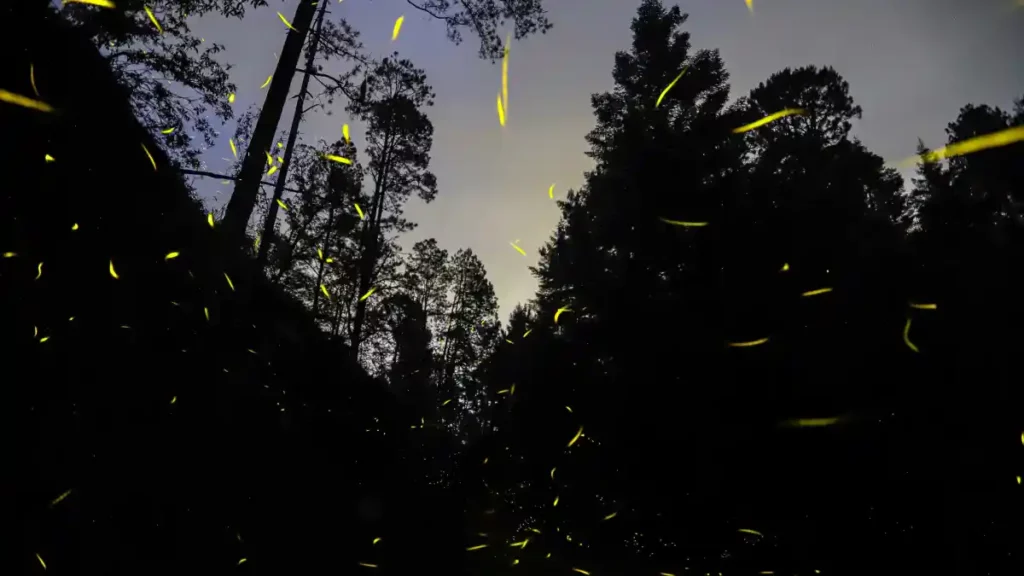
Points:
[(754, 349)]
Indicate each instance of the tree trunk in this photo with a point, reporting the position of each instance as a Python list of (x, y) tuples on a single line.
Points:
[(243, 199), (371, 235), (271, 219), (320, 271)]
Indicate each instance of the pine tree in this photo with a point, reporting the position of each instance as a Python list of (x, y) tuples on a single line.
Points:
[(173, 77)]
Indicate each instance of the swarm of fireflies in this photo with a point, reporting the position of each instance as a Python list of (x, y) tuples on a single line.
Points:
[(153, 19), (25, 102), (816, 292), (398, 28), (557, 314), (100, 3), (150, 156), (32, 78), (810, 423), (60, 498), (669, 87), (683, 223), (767, 119), (906, 337), (286, 22), (976, 144), (576, 437), (748, 344), (338, 159)]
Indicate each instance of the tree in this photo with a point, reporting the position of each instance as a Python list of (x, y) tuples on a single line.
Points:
[(967, 248), (173, 77), (333, 36), (398, 141), (321, 226), (613, 257), (484, 15), (469, 333), (459, 310), (426, 278), (409, 375)]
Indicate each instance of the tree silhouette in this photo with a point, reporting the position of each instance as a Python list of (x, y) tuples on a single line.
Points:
[(485, 16), (399, 137), (341, 40), (153, 65)]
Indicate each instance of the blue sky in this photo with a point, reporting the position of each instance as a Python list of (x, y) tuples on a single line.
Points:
[(911, 65)]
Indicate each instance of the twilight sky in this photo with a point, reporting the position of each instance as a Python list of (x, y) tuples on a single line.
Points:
[(911, 65)]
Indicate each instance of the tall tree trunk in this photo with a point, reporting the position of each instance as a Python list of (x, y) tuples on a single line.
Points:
[(446, 369), (371, 236), (300, 100), (243, 199), (320, 271)]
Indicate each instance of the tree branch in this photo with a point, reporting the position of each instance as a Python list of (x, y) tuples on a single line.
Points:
[(429, 11), (226, 177)]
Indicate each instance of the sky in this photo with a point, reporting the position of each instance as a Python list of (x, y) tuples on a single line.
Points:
[(911, 65)]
